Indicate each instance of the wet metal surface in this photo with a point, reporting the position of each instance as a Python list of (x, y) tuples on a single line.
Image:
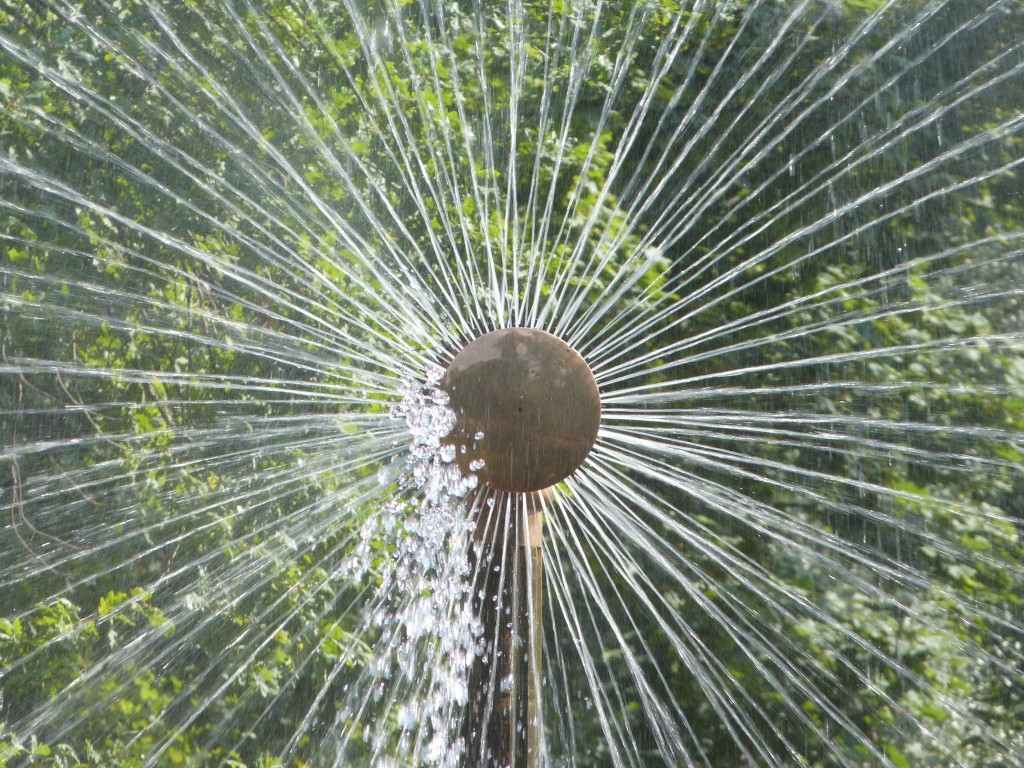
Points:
[(532, 398)]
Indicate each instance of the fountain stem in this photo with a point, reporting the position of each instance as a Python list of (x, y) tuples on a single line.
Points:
[(531, 633), (502, 727)]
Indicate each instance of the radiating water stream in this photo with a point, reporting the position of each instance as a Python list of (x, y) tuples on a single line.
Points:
[(240, 241)]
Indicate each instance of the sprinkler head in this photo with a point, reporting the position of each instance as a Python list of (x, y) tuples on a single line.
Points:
[(526, 405)]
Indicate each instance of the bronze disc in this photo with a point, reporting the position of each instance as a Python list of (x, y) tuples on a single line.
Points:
[(526, 404)]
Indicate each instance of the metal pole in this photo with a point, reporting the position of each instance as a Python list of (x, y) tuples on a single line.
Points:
[(502, 725), (534, 600)]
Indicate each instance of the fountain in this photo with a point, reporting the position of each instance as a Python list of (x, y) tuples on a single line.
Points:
[(527, 412), (753, 270)]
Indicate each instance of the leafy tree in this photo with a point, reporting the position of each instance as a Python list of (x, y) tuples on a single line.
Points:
[(214, 219)]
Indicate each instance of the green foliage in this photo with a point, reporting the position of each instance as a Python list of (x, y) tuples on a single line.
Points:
[(173, 341)]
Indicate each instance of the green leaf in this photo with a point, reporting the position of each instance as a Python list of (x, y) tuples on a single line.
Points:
[(898, 758)]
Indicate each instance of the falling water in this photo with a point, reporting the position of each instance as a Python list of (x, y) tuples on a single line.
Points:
[(242, 240)]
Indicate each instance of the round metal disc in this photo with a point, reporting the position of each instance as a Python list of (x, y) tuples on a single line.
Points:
[(526, 404)]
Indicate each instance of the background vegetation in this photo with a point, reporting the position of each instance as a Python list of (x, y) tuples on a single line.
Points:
[(183, 185)]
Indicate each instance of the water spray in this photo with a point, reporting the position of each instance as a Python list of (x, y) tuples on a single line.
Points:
[(528, 410)]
